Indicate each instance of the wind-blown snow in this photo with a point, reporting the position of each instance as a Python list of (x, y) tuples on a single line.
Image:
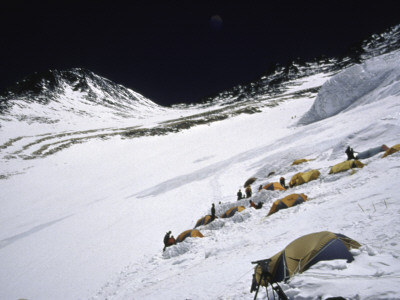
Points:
[(88, 222), (358, 85)]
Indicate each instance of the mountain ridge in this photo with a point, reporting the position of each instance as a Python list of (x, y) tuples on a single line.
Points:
[(276, 75), (47, 86)]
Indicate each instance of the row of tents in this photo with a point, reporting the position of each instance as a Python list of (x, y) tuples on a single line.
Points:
[(307, 250), (296, 180), (302, 253)]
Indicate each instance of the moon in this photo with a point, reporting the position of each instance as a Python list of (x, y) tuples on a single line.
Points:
[(216, 22)]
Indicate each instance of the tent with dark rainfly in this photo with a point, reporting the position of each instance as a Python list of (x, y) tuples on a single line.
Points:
[(288, 201), (391, 150), (274, 186), (371, 152), (204, 221), (230, 212), (346, 165), (249, 181), (300, 255), (301, 178), (188, 233)]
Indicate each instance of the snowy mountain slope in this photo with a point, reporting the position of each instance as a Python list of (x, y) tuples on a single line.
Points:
[(38, 140), (57, 109), (87, 221), (75, 99), (362, 205)]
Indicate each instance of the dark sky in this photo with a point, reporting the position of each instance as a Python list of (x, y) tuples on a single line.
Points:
[(179, 51)]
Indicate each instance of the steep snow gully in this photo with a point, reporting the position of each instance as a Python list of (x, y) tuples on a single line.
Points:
[(87, 222)]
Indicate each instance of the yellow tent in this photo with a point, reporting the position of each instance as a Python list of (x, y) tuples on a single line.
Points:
[(288, 201), (204, 221), (392, 150), (346, 165), (300, 178), (300, 161), (230, 212), (188, 233)]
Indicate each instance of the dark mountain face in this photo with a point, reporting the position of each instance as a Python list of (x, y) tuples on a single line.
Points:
[(273, 80), (52, 85), (48, 86), (53, 82), (48, 83)]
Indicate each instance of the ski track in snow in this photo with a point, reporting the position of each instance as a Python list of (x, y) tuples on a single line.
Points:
[(10, 240)]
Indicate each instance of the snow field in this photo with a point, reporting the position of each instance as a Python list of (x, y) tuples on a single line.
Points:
[(88, 222)]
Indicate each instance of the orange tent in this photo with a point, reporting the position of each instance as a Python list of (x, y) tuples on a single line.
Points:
[(274, 186)]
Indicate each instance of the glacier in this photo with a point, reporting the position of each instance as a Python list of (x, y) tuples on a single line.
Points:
[(361, 84)]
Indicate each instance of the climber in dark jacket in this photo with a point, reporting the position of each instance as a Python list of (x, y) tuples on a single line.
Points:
[(282, 182), (350, 153), (212, 212), (166, 239), (239, 195), (248, 191)]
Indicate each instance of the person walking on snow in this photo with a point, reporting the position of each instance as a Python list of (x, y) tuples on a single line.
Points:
[(350, 153), (212, 212), (239, 195), (166, 239), (248, 191)]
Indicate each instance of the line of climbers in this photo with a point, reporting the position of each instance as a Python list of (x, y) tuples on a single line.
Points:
[(310, 248)]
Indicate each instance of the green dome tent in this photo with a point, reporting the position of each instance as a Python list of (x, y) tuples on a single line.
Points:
[(346, 165), (300, 255)]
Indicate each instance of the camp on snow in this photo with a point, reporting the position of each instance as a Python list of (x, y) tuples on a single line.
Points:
[(204, 221), (188, 233), (371, 152), (288, 201), (301, 178), (346, 165), (230, 212), (300, 255), (392, 150), (274, 186)]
